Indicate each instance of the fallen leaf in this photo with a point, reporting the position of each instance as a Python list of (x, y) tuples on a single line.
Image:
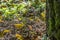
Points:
[(30, 27)]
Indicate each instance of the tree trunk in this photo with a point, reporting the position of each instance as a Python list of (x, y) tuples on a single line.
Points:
[(53, 18)]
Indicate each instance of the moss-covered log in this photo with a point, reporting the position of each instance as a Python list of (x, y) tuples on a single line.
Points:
[(53, 19)]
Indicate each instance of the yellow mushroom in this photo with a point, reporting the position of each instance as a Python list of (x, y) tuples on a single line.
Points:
[(43, 14), (18, 36), (19, 25), (6, 31)]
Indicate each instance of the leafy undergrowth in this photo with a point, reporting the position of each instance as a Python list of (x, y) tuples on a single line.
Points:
[(21, 20)]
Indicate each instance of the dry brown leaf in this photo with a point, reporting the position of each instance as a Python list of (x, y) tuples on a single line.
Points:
[(30, 27)]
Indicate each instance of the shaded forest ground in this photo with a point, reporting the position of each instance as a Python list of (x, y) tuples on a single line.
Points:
[(20, 20)]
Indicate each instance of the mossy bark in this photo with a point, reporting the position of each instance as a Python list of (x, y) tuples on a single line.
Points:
[(53, 18)]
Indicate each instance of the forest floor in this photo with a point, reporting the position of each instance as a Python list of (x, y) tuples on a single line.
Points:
[(8, 30)]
